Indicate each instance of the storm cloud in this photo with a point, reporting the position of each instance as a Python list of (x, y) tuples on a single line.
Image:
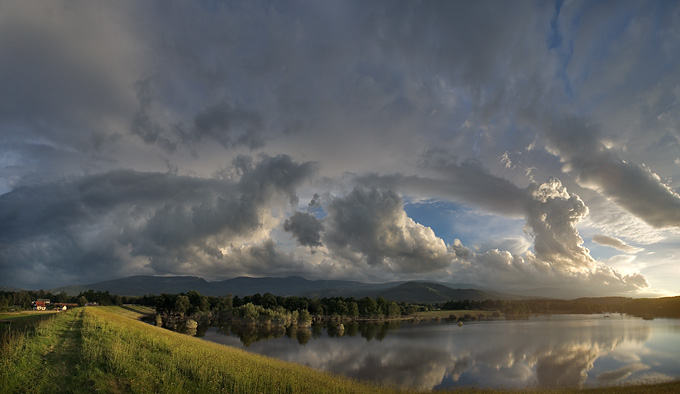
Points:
[(305, 227), (164, 138), (146, 222)]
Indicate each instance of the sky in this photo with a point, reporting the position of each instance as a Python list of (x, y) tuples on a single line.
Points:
[(531, 147)]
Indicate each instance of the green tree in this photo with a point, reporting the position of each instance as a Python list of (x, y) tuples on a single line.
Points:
[(268, 301), (304, 318), (393, 309), (353, 309), (249, 312), (182, 304), (81, 301), (198, 302), (381, 309), (368, 307), (224, 303)]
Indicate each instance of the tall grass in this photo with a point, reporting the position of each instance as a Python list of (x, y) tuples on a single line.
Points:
[(23, 351)]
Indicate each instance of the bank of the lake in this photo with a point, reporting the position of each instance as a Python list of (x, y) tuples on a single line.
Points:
[(108, 350)]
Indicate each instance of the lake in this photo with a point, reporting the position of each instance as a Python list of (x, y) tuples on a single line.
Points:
[(544, 351)]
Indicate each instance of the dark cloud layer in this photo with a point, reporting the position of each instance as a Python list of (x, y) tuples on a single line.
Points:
[(482, 106), (229, 126), (468, 181), (305, 227), (150, 222)]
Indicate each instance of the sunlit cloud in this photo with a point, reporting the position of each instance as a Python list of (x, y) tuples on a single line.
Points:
[(190, 139)]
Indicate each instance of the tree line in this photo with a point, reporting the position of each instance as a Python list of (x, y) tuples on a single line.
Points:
[(193, 303), (21, 300), (643, 307)]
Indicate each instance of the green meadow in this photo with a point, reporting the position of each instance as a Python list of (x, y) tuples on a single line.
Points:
[(21, 320), (108, 350)]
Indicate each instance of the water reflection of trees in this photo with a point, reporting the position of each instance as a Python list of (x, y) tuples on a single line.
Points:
[(427, 356), (249, 333)]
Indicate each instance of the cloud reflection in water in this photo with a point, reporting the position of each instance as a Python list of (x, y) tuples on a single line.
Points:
[(542, 351)]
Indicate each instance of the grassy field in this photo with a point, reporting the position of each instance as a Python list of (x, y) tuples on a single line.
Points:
[(106, 349), (22, 320)]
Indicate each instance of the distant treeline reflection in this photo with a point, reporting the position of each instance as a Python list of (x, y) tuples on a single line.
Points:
[(248, 335)]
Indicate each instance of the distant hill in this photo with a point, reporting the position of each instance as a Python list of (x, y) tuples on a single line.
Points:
[(10, 288), (141, 285), (428, 292), (72, 290), (290, 286)]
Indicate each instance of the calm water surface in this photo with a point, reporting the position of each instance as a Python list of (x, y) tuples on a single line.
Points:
[(553, 350)]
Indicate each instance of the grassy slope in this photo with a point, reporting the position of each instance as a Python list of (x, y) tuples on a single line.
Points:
[(107, 350), (21, 320)]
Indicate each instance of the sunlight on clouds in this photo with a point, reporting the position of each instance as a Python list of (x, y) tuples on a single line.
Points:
[(616, 243), (141, 147)]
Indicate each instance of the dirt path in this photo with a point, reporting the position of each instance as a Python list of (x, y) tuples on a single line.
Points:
[(63, 359)]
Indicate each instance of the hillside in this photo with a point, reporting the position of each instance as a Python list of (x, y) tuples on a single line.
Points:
[(140, 285), (290, 286), (428, 292)]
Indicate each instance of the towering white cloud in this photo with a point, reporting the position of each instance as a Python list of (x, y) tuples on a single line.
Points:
[(552, 214), (559, 261), (370, 227)]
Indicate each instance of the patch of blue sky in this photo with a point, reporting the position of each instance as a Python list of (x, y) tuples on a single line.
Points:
[(600, 252), (450, 220), (555, 37)]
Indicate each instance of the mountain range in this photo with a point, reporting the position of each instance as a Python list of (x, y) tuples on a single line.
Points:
[(413, 291)]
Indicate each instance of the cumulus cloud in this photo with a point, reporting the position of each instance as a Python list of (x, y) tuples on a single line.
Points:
[(559, 263), (552, 214), (615, 243), (516, 246), (305, 227), (369, 226), (579, 145)]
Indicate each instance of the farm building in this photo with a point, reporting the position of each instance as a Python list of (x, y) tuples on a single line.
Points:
[(41, 304)]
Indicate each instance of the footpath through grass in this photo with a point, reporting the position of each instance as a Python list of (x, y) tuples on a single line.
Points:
[(105, 349)]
